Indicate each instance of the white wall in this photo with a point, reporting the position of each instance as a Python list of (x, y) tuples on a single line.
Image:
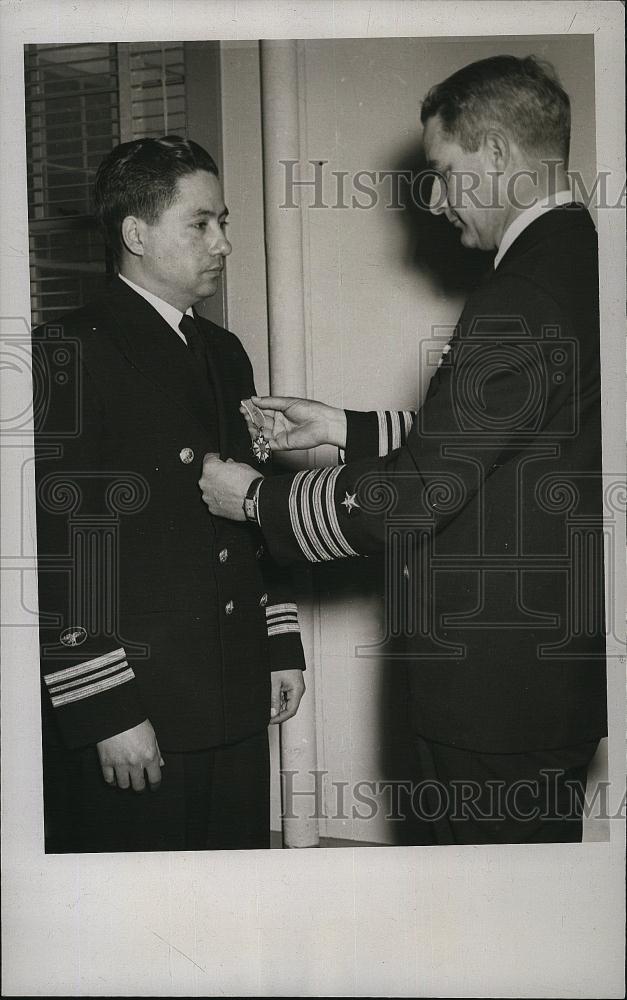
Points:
[(372, 302)]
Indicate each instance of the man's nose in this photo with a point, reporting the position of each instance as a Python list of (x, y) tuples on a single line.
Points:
[(438, 202), (221, 247)]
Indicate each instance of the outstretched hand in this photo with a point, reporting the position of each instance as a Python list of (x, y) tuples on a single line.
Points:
[(289, 423)]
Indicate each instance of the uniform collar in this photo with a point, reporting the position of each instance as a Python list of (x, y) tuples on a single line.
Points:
[(530, 215), (145, 338), (168, 312)]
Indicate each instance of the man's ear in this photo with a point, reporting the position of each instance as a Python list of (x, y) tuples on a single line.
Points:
[(132, 235), (497, 147)]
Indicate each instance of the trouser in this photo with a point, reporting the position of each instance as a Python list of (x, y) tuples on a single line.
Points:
[(216, 799), (467, 797)]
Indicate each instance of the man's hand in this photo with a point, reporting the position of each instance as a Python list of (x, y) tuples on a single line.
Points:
[(288, 687), (125, 757), (224, 486), (289, 423)]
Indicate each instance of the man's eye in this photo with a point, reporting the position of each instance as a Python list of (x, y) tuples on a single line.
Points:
[(199, 225)]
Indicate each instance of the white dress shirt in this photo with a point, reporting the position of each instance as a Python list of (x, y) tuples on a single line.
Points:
[(170, 314), (530, 215)]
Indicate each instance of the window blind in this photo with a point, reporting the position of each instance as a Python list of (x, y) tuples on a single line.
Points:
[(81, 100)]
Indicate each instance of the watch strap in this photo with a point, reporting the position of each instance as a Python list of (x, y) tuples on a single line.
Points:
[(250, 500)]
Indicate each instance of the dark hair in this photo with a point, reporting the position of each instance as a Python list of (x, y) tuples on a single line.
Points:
[(523, 97), (140, 178)]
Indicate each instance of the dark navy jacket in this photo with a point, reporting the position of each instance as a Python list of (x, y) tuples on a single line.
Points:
[(486, 507), (149, 606)]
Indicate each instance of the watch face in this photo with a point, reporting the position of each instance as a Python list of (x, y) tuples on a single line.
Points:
[(250, 500)]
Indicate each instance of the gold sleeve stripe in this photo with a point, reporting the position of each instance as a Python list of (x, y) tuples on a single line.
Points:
[(86, 667), (295, 518), (283, 629), (273, 609), (92, 689), (323, 480), (394, 426), (384, 444), (92, 677), (314, 517), (396, 430), (332, 513)]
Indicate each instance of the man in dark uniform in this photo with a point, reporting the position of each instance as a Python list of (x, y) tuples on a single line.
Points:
[(487, 503), (169, 639)]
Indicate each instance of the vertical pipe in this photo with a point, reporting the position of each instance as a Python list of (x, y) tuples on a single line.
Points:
[(288, 376), (284, 231)]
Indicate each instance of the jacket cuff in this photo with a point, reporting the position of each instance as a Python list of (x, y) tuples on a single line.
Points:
[(300, 516), (286, 652), (377, 433), (362, 435), (274, 519), (94, 699), (284, 635)]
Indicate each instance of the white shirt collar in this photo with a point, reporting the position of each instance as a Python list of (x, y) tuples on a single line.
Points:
[(530, 215), (170, 313)]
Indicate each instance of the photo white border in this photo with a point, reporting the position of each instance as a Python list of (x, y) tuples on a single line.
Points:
[(545, 920)]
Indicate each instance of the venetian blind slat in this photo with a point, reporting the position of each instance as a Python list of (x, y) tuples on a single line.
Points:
[(75, 104)]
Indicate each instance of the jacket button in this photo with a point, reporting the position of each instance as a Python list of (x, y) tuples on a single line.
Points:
[(259, 552), (263, 600), (229, 607), (223, 555), (186, 455)]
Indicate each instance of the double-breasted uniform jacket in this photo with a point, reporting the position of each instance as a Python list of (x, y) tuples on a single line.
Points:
[(487, 507), (149, 606)]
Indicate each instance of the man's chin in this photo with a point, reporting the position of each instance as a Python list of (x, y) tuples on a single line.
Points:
[(467, 239), (208, 286)]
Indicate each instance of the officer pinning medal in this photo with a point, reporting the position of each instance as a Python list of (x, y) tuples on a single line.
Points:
[(494, 692)]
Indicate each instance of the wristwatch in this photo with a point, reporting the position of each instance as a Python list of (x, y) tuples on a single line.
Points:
[(250, 501)]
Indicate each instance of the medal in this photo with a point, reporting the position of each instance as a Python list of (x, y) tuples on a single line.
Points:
[(261, 445)]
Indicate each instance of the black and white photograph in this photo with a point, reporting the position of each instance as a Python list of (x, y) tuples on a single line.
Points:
[(312, 335)]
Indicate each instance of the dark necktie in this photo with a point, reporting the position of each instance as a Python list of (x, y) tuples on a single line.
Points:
[(194, 339), (198, 349)]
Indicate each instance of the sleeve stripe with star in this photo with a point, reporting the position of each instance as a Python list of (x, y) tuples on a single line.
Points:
[(314, 518)]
